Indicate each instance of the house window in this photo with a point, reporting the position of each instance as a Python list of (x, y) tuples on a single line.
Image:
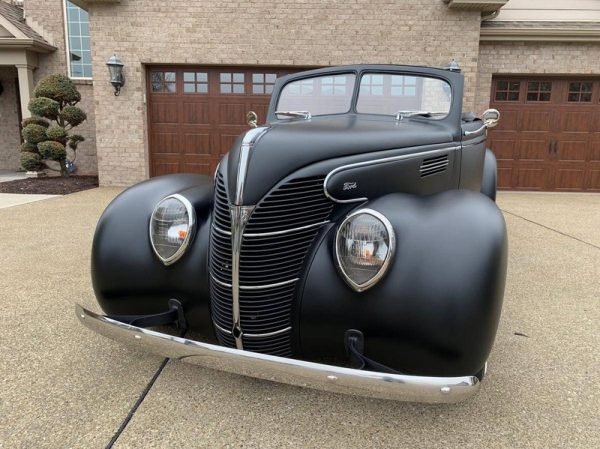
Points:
[(580, 92), (539, 90), (195, 82), (507, 90), (165, 82), (262, 83), (78, 41), (232, 83)]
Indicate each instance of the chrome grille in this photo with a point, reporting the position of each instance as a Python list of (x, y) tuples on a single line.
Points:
[(276, 241)]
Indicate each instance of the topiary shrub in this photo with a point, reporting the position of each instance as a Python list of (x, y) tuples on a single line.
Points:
[(47, 132)]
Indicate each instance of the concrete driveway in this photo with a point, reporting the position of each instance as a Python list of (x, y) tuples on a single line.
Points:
[(61, 386)]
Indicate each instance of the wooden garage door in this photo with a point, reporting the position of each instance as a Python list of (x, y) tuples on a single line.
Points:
[(196, 113), (548, 137)]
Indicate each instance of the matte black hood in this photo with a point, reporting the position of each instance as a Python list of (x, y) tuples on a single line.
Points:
[(288, 146)]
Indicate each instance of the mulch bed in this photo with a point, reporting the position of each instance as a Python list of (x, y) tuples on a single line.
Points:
[(50, 185)]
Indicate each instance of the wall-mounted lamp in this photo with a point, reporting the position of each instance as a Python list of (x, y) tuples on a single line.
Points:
[(115, 69)]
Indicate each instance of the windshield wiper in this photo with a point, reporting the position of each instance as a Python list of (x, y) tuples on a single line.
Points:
[(303, 114), (405, 114)]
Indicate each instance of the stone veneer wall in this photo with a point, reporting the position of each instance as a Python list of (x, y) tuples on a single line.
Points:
[(564, 58), (47, 18), (259, 32), (9, 122)]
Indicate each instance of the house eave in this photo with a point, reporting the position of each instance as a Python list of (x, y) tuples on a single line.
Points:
[(540, 34), (26, 44)]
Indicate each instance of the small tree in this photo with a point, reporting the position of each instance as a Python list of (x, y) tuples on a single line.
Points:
[(47, 133)]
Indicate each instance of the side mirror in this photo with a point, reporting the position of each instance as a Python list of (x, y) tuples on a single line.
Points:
[(491, 117), (252, 119)]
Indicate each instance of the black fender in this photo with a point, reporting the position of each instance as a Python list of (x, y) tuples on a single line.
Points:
[(437, 309), (490, 174), (127, 276)]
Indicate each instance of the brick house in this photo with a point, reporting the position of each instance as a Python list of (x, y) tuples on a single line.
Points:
[(194, 68)]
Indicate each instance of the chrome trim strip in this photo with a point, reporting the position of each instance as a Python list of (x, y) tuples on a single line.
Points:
[(248, 142), (255, 287), (289, 371), (222, 329), (267, 286), (269, 334), (221, 231), (376, 162), (188, 238), (285, 231), (386, 262), (477, 131), (239, 218)]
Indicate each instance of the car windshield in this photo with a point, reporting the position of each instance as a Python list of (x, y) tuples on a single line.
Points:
[(403, 95), (319, 95)]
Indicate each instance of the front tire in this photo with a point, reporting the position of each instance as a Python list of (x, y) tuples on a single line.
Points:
[(490, 170)]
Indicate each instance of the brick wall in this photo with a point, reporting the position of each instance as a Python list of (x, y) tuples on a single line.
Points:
[(9, 123), (258, 32), (47, 18), (532, 58)]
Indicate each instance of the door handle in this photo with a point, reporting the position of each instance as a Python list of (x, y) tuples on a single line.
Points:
[(555, 146), (551, 147)]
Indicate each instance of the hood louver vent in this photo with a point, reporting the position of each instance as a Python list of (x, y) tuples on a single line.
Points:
[(434, 165)]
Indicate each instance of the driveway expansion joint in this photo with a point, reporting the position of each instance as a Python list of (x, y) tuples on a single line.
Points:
[(550, 229)]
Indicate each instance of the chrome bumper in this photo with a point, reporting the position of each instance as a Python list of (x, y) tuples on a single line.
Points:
[(289, 371)]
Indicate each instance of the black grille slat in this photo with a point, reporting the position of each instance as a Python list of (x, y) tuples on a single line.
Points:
[(265, 259), (434, 165)]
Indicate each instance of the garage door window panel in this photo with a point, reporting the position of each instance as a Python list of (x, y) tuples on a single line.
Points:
[(232, 83), (539, 91), (195, 82), (262, 83), (507, 90), (580, 92), (163, 82)]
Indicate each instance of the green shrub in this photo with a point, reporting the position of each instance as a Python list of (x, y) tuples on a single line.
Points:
[(73, 115), (35, 120), (44, 107), (31, 161), (33, 133), (27, 147), (50, 149), (55, 100), (57, 132), (59, 88)]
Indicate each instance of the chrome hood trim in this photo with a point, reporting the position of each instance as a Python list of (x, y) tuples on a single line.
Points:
[(289, 371)]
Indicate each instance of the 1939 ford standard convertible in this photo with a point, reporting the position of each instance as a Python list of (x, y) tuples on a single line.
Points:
[(352, 244)]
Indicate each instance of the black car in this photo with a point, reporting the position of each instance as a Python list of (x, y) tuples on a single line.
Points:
[(351, 244)]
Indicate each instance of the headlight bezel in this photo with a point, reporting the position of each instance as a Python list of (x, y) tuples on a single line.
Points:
[(387, 260), (191, 214)]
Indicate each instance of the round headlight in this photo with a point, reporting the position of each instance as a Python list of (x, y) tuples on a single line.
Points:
[(364, 246), (171, 228)]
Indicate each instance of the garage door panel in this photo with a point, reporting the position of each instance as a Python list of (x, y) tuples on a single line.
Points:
[(595, 152), (580, 122), (232, 114), (508, 121), (166, 143), (531, 178), (535, 121), (572, 150), (594, 180), (505, 149), (164, 113), (533, 150), (570, 179), (505, 175), (196, 144), (196, 113), (165, 168)]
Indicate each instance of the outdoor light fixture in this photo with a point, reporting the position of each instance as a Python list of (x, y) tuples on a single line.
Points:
[(115, 69)]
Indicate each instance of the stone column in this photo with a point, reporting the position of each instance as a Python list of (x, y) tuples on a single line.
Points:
[(25, 73)]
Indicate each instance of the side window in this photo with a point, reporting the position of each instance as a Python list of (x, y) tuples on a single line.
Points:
[(507, 90), (78, 41), (262, 83), (231, 83), (539, 90), (580, 92), (195, 82), (165, 82)]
